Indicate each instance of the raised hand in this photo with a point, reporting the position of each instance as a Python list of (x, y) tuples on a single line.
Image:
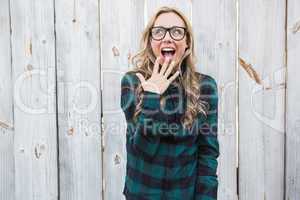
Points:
[(159, 82)]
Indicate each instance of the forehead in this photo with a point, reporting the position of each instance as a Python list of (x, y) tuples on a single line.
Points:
[(169, 19)]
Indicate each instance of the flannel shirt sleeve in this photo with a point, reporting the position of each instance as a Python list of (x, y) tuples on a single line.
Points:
[(207, 179), (151, 123)]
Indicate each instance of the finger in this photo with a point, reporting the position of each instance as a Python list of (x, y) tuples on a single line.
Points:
[(141, 77), (174, 76), (164, 67), (170, 68), (156, 65)]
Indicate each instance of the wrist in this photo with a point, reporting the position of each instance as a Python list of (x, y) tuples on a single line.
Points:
[(150, 91)]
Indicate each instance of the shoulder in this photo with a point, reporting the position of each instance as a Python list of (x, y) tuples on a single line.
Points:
[(129, 79), (209, 92), (208, 84)]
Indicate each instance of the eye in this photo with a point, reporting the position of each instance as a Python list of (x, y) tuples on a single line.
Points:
[(178, 31), (157, 31)]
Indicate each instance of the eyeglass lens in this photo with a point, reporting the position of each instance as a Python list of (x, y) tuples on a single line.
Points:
[(177, 33)]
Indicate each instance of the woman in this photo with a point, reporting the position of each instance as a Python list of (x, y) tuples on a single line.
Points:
[(171, 114)]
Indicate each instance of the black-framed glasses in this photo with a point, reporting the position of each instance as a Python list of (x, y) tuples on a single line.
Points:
[(176, 32)]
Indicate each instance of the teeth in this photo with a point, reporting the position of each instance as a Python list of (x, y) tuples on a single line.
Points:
[(168, 49)]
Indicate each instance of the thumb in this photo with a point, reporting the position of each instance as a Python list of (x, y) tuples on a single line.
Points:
[(141, 77)]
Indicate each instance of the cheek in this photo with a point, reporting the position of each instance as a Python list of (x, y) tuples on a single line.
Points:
[(181, 49), (155, 48)]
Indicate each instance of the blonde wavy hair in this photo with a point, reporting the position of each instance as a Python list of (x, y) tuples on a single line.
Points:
[(144, 60)]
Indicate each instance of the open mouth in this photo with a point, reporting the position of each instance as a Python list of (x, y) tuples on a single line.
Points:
[(168, 52)]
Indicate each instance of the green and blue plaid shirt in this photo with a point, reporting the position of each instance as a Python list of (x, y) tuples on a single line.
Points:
[(165, 160)]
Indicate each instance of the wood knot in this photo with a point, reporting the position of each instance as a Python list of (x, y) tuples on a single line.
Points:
[(250, 71), (71, 131), (117, 159), (115, 51)]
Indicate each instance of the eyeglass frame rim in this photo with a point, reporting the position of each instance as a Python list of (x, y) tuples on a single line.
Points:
[(168, 30)]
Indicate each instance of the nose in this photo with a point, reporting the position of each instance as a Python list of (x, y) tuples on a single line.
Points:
[(167, 37)]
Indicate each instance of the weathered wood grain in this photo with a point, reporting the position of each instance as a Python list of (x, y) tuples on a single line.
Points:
[(183, 5), (7, 180), (79, 112), (292, 102), (33, 77), (261, 105)]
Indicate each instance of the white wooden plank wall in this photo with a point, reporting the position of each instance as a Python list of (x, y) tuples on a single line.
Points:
[(261, 105), (78, 91), (7, 174), (58, 57), (183, 5), (33, 79), (292, 102)]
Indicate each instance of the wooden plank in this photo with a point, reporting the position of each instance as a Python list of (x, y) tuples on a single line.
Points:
[(214, 25), (261, 110), (79, 111), (122, 24), (7, 188), (183, 5), (33, 61), (293, 99)]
